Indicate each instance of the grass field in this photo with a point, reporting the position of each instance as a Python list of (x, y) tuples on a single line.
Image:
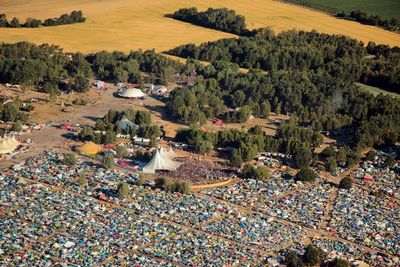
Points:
[(132, 24), (375, 90), (385, 8)]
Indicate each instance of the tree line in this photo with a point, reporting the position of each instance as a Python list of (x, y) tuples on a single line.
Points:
[(52, 70), (221, 19), (74, 17), (242, 146), (363, 17)]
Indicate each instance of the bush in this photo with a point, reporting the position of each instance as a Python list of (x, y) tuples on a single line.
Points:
[(338, 263), (293, 260), (313, 255), (306, 175), (108, 161), (82, 180), (123, 190), (346, 183), (69, 159)]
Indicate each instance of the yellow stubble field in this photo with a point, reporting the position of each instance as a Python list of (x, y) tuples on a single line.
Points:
[(126, 25)]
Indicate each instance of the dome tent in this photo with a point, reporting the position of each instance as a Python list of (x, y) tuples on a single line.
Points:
[(89, 148), (131, 93)]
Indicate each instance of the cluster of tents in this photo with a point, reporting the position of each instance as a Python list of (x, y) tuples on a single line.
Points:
[(8, 144)]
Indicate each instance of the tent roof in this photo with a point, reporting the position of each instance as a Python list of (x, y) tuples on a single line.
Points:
[(131, 93), (8, 144), (161, 161), (89, 148)]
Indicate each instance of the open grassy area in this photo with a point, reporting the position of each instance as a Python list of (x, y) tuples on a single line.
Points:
[(126, 25), (375, 90), (385, 8)]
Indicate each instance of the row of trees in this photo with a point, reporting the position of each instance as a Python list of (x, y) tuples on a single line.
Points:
[(74, 17), (52, 70), (243, 146), (221, 19), (368, 19), (357, 15)]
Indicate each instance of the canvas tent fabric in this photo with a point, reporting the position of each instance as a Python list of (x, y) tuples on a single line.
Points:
[(161, 161), (89, 148), (8, 144), (131, 93), (125, 122)]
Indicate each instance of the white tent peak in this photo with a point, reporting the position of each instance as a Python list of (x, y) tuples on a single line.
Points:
[(161, 161)]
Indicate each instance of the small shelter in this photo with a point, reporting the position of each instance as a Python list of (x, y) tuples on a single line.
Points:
[(88, 148), (131, 93), (161, 161), (125, 122)]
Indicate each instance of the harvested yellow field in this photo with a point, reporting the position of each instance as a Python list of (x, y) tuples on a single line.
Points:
[(126, 25)]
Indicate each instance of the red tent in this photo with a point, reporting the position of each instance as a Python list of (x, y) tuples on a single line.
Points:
[(368, 179), (218, 122)]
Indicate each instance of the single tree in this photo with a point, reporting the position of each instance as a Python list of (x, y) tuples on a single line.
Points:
[(108, 161), (123, 190), (346, 183)]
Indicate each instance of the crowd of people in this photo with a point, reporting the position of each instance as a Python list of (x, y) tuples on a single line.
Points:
[(197, 171)]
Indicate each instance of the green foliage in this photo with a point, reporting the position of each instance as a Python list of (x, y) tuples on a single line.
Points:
[(74, 17), (306, 175), (171, 186), (221, 19), (122, 152), (140, 180), (123, 190), (17, 127), (69, 159), (108, 161), (82, 180), (346, 183), (313, 255), (338, 263), (260, 173), (293, 260)]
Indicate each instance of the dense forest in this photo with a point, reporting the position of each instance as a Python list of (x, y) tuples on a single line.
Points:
[(221, 19), (74, 17), (392, 24), (292, 50)]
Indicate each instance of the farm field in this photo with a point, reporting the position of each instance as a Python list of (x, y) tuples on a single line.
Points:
[(385, 8), (129, 25), (375, 90)]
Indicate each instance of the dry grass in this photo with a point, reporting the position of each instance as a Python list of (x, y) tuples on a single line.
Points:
[(132, 24)]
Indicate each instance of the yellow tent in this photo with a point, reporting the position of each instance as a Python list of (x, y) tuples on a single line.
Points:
[(89, 148)]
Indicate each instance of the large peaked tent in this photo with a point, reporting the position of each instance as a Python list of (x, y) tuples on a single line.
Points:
[(161, 161), (131, 93), (8, 144)]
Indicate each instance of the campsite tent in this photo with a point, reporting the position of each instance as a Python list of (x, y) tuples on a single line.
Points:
[(8, 144), (89, 148), (131, 93), (161, 161), (125, 122)]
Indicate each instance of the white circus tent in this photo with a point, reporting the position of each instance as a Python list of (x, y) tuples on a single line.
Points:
[(161, 161), (131, 93), (8, 144)]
